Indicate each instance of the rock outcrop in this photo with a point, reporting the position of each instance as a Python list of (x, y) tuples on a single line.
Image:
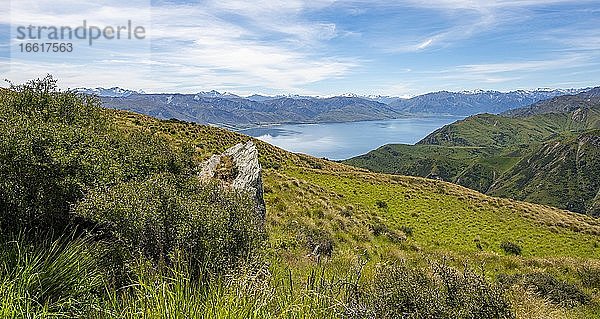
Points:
[(238, 168)]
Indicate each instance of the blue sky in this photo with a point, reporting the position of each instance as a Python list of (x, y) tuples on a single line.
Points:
[(319, 47)]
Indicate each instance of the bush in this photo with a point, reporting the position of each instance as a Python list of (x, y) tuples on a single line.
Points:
[(408, 231), (589, 276), (317, 241), (57, 146), (548, 287), (165, 216), (377, 228), (381, 204), (510, 248), (403, 291)]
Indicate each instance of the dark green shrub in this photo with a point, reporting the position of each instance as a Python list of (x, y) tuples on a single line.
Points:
[(589, 276), (317, 241), (558, 291), (56, 146), (548, 287), (408, 231), (381, 204), (378, 228), (405, 291), (510, 248), (165, 215)]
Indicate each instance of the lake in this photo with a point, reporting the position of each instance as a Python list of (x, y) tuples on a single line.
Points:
[(344, 140)]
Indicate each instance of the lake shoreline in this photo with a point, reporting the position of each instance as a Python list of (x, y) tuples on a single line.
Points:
[(342, 140), (408, 116)]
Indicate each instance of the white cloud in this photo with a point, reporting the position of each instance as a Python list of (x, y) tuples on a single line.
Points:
[(217, 44), (285, 46), (511, 67), (425, 44)]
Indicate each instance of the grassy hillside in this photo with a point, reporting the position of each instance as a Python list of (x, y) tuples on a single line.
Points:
[(141, 238), (499, 131), (323, 196), (470, 166), (501, 156), (575, 160)]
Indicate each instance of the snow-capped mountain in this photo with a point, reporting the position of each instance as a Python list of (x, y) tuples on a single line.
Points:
[(112, 92), (262, 98), (235, 110), (216, 94), (385, 99), (477, 101)]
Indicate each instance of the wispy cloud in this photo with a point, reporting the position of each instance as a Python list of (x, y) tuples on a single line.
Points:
[(512, 67), (320, 46), (468, 18), (215, 44)]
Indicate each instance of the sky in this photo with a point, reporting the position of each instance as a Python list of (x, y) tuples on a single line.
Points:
[(317, 47)]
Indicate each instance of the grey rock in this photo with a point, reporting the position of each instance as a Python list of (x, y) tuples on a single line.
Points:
[(246, 173)]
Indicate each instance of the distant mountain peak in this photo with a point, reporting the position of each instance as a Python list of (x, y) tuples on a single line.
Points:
[(567, 102), (350, 95), (216, 94), (476, 91), (110, 92)]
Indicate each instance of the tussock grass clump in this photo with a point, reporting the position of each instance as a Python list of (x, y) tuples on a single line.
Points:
[(589, 275), (48, 278), (381, 204)]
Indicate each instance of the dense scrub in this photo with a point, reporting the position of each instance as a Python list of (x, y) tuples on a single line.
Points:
[(67, 168), (403, 291)]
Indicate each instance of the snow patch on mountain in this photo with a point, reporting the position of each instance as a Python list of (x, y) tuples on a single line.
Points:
[(111, 92)]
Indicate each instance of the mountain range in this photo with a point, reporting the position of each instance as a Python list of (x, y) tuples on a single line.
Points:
[(475, 102), (230, 110), (110, 92)]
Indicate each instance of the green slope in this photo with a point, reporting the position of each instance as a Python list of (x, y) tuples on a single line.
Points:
[(487, 130), (572, 162), (481, 152), (314, 198)]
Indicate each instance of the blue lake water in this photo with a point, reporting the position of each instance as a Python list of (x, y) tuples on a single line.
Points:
[(344, 140)]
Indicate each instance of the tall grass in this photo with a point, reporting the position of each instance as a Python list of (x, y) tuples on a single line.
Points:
[(64, 278), (255, 292), (53, 278)]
